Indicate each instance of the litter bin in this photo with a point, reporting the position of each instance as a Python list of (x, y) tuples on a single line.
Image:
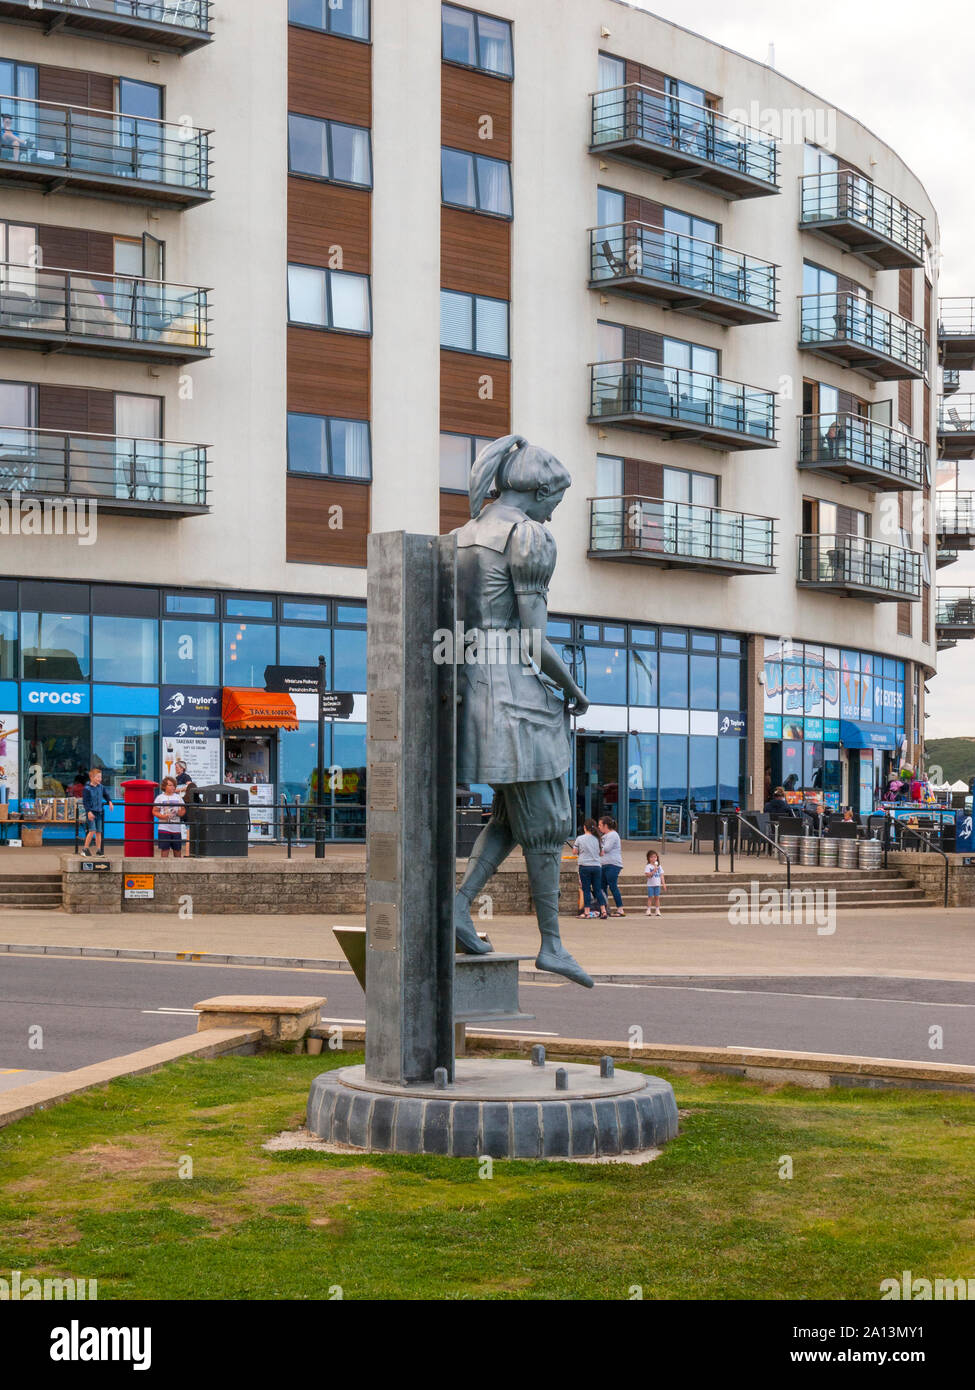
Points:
[(220, 820)]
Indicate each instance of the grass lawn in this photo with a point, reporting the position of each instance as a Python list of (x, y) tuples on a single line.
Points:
[(882, 1182)]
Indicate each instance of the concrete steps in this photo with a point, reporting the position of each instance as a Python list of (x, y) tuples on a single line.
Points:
[(854, 889), (24, 892)]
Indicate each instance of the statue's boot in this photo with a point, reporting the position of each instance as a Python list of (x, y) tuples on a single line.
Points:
[(493, 846), (544, 868)]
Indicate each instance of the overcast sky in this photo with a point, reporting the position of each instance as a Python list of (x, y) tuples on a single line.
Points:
[(906, 71)]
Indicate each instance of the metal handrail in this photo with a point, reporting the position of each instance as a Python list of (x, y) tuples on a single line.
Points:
[(853, 560), (910, 830), (842, 315), (870, 206), (754, 830), (656, 253), (112, 467), (955, 607), (954, 512), (682, 528), (99, 276), (859, 439), (956, 317), (959, 416), (687, 392), (186, 14)]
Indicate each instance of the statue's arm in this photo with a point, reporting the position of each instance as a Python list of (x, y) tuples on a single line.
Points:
[(533, 616)]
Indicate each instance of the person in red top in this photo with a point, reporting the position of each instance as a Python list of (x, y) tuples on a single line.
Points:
[(916, 790)]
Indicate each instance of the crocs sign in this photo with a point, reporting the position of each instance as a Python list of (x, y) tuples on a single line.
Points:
[(71, 699)]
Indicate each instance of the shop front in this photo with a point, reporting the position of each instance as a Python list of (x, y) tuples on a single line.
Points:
[(252, 720), (834, 723)]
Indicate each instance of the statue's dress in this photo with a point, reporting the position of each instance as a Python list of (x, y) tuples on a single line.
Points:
[(511, 726)]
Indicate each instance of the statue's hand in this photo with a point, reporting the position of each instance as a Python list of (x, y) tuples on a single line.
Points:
[(578, 704)]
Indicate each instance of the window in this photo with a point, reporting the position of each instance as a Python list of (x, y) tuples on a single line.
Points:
[(329, 299), (329, 150), (200, 604), (472, 323), (684, 486), (610, 207), (302, 646), (191, 653), (348, 670), (475, 181), (247, 649), (124, 650), (8, 647), (349, 18), (124, 748), (304, 612), (609, 476), (55, 647), (329, 448), (457, 455), (249, 607), (477, 41)]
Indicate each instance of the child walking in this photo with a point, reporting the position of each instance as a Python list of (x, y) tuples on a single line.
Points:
[(655, 882)]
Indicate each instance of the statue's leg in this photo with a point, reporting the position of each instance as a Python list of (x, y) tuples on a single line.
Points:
[(491, 848), (541, 819)]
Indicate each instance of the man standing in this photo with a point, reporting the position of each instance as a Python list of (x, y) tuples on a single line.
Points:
[(95, 799)]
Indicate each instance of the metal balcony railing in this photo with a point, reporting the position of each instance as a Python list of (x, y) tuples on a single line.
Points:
[(154, 473), (845, 196), (178, 14), (956, 318), (959, 416), (700, 135), (695, 400), (955, 514), (855, 563), (950, 381), (629, 250), (665, 531), (97, 145), (955, 608), (845, 319), (47, 304), (855, 444)]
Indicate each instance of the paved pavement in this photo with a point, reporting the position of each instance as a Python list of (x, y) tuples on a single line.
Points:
[(928, 943), (91, 1010)]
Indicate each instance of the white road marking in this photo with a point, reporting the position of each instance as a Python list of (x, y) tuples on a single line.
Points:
[(360, 1021), (515, 1032), (188, 1013), (790, 994)]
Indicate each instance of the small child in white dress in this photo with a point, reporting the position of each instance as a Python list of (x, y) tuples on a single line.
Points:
[(655, 882)]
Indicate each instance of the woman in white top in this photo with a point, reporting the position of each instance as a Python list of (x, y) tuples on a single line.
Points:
[(587, 847), (611, 855)]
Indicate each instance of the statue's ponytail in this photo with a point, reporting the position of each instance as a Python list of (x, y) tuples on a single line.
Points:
[(487, 466)]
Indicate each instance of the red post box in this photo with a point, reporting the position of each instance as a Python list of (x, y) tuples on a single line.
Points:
[(139, 826)]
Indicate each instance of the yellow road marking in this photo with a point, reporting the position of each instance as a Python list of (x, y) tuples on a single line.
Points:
[(10, 1071)]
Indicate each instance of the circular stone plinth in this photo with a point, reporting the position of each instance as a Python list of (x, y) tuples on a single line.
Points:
[(500, 1109)]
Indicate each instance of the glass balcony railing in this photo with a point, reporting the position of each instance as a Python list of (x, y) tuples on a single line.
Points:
[(654, 529), (681, 401), (859, 447), (84, 312), (856, 564), (956, 318), (132, 155), (737, 156), (863, 334), (955, 516), (950, 381), (955, 611), (171, 23), (636, 252), (866, 217), (956, 427), (153, 475)]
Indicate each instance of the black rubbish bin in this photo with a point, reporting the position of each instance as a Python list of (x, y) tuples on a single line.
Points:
[(220, 820)]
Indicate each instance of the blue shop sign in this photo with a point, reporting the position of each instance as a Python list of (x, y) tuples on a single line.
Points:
[(831, 731), (773, 726), (191, 728), (860, 735), (813, 730), (191, 702), (55, 699), (732, 724)]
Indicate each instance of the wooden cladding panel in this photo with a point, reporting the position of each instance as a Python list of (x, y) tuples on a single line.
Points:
[(925, 620), (649, 77), (455, 510), (467, 97), (643, 210), (329, 77), (642, 479), (847, 519), (328, 373), (475, 253), (905, 404), (71, 248), (904, 620), (640, 342), (464, 380), (311, 539), (905, 293), (76, 88), (75, 409), (322, 216), (926, 396)]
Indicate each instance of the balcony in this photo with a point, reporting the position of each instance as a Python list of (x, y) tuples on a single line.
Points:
[(954, 519), (676, 403), (129, 158), (859, 568), (954, 616), (862, 451), (845, 208), (943, 557), (107, 316), (683, 273), (956, 334), (145, 477), (956, 428), (950, 381), (857, 333), (683, 141), (649, 530), (174, 26)]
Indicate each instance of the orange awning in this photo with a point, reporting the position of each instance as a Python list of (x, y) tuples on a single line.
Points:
[(257, 709)]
